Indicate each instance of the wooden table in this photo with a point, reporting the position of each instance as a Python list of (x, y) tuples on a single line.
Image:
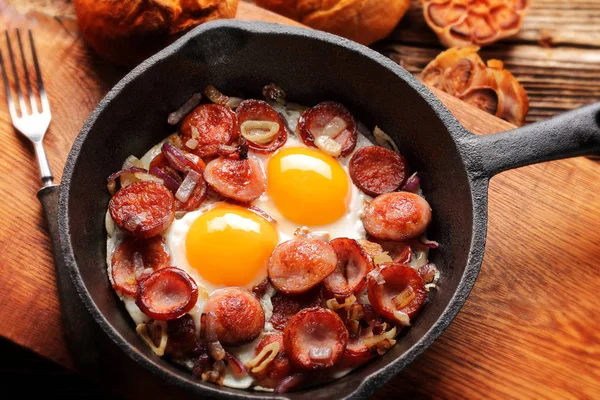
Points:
[(529, 329)]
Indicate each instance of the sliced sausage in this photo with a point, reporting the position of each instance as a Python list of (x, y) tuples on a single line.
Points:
[(286, 306), (298, 265), (132, 257), (400, 252), (240, 180), (403, 291), (397, 216), (328, 118), (240, 317), (166, 294), (376, 170), (144, 209), (209, 125), (259, 110), (275, 371), (353, 264), (315, 338)]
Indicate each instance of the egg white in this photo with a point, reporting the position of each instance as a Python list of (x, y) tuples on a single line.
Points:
[(349, 225)]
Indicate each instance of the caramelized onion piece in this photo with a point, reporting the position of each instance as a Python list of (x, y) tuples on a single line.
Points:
[(166, 294), (176, 116)]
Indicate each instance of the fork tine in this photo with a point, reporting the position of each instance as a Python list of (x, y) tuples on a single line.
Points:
[(38, 73), (11, 104), (27, 81), (16, 75)]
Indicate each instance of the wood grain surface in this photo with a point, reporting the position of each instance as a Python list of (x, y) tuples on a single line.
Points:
[(528, 330), (556, 55)]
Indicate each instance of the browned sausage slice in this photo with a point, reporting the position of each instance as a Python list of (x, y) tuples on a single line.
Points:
[(298, 265), (315, 338), (403, 291), (353, 264), (144, 209), (259, 110), (376, 170), (397, 216), (331, 119), (166, 294), (207, 127), (240, 180), (132, 257), (278, 369), (240, 317)]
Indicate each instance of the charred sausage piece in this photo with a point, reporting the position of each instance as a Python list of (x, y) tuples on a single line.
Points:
[(183, 342), (167, 294), (240, 180), (332, 120), (298, 265), (271, 374), (315, 338), (133, 257), (144, 209), (397, 216), (286, 306), (239, 315), (206, 128), (402, 291), (261, 126), (376, 170), (353, 264)]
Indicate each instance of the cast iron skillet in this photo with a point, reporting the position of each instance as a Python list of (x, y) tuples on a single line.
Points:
[(455, 167)]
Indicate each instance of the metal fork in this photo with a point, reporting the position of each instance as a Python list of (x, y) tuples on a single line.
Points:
[(35, 124)]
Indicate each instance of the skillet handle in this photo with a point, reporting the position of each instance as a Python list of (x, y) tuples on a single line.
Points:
[(574, 133)]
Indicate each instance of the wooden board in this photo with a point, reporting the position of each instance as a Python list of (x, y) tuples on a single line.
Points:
[(528, 330), (556, 55)]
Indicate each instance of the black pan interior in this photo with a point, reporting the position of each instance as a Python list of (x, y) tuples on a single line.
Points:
[(240, 59)]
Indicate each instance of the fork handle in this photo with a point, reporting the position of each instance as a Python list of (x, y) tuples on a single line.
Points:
[(45, 172)]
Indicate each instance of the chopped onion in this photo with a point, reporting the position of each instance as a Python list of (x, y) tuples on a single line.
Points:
[(404, 298), (290, 382), (131, 222), (187, 186), (334, 304), (318, 354), (132, 161), (259, 132), (216, 374), (176, 116), (374, 340), (267, 354), (432, 244), (236, 365), (376, 274), (402, 318), (384, 140), (112, 185), (168, 180), (215, 95), (274, 93), (234, 102), (304, 232), (176, 158), (192, 143), (195, 132), (216, 351), (334, 127), (142, 330), (328, 145), (412, 184), (145, 176), (382, 258)]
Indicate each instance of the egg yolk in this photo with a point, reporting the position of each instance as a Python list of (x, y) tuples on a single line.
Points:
[(307, 186), (230, 245)]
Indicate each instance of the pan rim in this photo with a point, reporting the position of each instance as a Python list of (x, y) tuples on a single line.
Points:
[(369, 383)]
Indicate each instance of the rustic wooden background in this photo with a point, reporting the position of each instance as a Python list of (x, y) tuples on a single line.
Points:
[(529, 328)]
